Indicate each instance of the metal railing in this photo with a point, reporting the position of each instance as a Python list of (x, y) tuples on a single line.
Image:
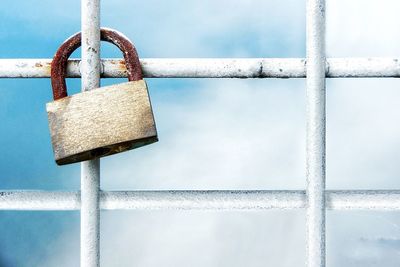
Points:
[(315, 68), (213, 68)]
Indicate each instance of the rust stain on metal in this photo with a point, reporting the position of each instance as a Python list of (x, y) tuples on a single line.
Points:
[(122, 66), (103, 122), (48, 68), (60, 60)]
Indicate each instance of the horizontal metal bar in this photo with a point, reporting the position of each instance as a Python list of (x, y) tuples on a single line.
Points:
[(212, 68), (201, 200), (39, 200)]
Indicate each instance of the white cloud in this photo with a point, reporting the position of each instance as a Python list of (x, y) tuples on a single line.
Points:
[(227, 134), (210, 28), (362, 28), (363, 239), (362, 134), (202, 238)]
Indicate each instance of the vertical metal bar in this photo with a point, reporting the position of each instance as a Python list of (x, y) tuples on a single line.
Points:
[(315, 133), (90, 170)]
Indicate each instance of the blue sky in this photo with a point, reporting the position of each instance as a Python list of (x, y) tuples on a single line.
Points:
[(214, 134)]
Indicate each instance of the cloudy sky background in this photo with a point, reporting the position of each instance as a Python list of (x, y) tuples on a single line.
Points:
[(214, 134)]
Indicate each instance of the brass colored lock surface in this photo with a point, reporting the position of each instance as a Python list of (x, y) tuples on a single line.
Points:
[(104, 121)]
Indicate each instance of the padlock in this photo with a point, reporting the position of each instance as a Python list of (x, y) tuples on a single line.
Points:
[(104, 121)]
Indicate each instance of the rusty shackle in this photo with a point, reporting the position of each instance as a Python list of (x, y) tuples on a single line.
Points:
[(60, 60)]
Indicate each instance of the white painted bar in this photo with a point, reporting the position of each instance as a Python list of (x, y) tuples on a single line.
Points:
[(40, 200), (315, 154), (203, 200), (90, 170), (373, 200), (378, 200), (213, 68)]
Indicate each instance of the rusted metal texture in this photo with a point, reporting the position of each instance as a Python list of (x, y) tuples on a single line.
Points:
[(98, 123), (60, 60)]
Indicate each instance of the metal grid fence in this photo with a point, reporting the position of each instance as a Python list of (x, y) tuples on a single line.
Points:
[(315, 199)]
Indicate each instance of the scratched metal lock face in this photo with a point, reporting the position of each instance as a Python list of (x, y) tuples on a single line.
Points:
[(103, 121)]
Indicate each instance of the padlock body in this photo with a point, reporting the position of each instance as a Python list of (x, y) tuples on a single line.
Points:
[(101, 122)]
